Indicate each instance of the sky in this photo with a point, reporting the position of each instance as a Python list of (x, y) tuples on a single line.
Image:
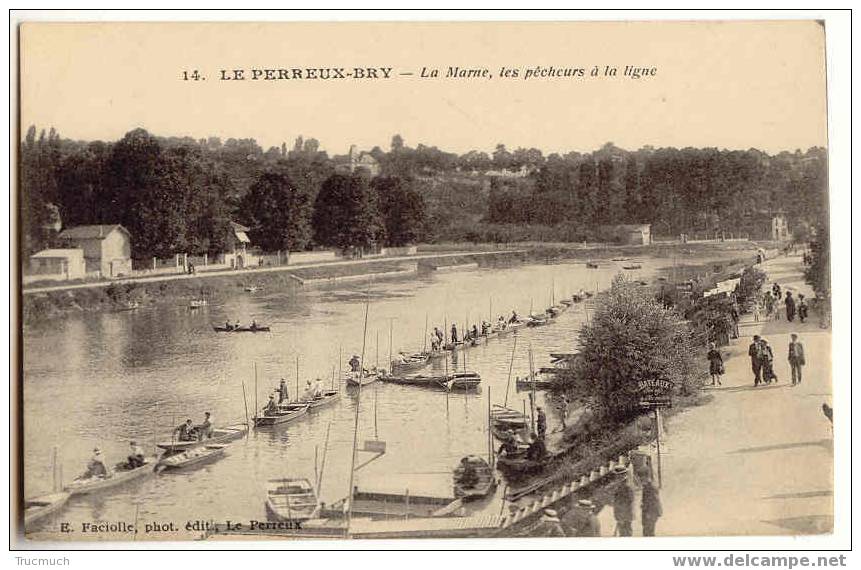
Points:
[(735, 85)]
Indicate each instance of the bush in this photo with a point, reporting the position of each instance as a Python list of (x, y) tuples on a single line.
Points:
[(632, 338)]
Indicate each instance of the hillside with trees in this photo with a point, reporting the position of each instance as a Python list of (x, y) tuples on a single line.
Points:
[(179, 194)]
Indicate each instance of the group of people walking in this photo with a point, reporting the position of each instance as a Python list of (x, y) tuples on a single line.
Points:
[(768, 306)]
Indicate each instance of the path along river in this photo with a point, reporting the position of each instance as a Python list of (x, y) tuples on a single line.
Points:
[(104, 379)]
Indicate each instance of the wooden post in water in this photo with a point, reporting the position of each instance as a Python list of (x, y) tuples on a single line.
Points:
[(489, 433), (323, 462), (425, 335), (245, 399), (297, 378), (510, 366), (356, 421), (256, 408), (377, 349), (55, 472)]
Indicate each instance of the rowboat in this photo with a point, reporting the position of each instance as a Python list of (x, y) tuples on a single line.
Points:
[(219, 435), (286, 413), (538, 381), (197, 303), (253, 288), (356, 379), (479, 479), (518, 465), (506, 417), (537, 320), (324, 399), (427, 380), (462, 380), (291, 500), (252, 329), (591, 265), (632, 266), (82, 486), (40, 507), (410, 363), (192, 457)]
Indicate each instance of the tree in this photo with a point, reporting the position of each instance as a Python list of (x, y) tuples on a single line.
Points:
[(397, 143), (402, 208), (277, 213), (631, 338), (346, 214)]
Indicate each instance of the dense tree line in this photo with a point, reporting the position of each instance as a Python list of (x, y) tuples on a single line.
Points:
[(179, 194)]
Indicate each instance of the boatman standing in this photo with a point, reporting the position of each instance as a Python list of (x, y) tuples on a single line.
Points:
[(453, 333), (185, 431), (283, 395), (354, 363), (204, 430), (541, 422)]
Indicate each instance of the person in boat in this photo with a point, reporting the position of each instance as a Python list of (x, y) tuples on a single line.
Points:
[(253, 325), (204, 430), (236, 326), (283, 395), (354, 363), (485, 328), (96, 467), (453, 333), (474, 332), (271, 407), (185, 432), (468, 473), (439, 335), (537, 450), (402, 358), (514, 318), (228, 326), (500, 323), (136, 456), (541, 422), (317, 388), (509, 446)]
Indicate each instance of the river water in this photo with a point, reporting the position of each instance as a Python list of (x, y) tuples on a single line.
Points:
[(104, 379)]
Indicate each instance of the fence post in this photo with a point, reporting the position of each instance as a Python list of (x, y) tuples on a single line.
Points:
[(154, 263), (206, 259)]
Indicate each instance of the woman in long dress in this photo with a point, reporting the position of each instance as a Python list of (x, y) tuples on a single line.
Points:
[(715, 364)]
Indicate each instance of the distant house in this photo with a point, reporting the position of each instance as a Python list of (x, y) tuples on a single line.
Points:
[(356, 160), (107, 248), (236, 254), (58, 264), (779, 227), (628, 234)]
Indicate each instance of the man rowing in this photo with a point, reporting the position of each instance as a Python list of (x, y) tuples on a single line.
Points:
[(96, 467), (136, 456), (355, 363), (185, 432)]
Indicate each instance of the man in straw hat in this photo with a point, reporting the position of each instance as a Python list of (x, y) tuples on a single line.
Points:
[(549, 525), (96, 467), (580, 520), (623, 503)]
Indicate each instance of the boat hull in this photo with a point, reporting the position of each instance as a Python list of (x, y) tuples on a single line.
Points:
[(281, 418), (117, 478), (220, 435), (192, 458), (37, 508)]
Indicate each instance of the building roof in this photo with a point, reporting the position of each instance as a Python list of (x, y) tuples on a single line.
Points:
[(239, 230), (58, 253), (98, 231)]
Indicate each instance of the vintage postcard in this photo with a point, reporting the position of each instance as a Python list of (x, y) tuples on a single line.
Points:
[(364, 280)]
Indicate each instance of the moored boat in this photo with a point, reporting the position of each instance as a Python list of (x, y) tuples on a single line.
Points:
[(291, 500), (632, 266), (410, 362), (363, 379), (537, 381), (219, 435), (324, 399), (428, 380), (40, 507), (82, 486), (473, 478), (285, 413), (591, 265), (252, 328), (537, 320), (192, 457), (197, 303), (462, 380)]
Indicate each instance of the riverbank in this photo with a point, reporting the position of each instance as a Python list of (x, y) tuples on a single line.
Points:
[(57, 301)]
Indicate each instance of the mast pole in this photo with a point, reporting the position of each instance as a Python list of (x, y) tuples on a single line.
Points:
[(356, 420), (510, 366)]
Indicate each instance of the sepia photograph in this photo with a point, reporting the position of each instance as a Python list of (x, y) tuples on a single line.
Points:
[(507, 280)]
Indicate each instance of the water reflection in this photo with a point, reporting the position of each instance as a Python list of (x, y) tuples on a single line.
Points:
[(107, 378)]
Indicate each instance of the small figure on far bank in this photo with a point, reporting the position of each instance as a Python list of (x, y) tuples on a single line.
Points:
[(767, 356), (541, 422), (796, 358), (650, 508), (755, 353), (548, 526), (790, 306), (453, 333), (716, 368), (802, 308), (733, 313)]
